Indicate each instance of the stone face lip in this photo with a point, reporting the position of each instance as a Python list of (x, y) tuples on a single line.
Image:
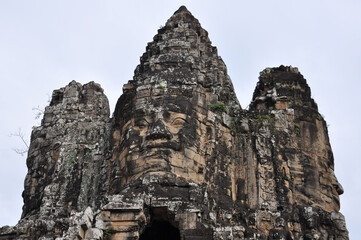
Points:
[(180, 158)]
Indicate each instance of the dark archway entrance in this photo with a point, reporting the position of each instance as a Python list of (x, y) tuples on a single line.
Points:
[(161, 226), (160, 230)]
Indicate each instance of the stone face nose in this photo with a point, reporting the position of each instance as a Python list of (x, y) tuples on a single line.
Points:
[(158, 131)]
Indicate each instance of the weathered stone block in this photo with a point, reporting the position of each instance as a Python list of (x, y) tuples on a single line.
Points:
[(94, 234), (122, 216), (125, 236), (187, 220)]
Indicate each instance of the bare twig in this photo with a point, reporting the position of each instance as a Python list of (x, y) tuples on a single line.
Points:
[(21, 135), (39, 111)]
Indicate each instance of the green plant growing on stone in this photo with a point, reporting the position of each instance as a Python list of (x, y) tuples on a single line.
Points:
[(218, 107), (297, 127), (107, 233), (266, 74), (73, 160), (161, 86), (260, 118)]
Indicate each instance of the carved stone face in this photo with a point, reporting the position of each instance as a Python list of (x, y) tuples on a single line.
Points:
[(164, 138)]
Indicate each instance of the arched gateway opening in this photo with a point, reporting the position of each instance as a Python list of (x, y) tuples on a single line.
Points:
[(160, 228)]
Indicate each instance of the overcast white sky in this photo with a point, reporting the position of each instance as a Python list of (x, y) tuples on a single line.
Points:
[(46, 44)]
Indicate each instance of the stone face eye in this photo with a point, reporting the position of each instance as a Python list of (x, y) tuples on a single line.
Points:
[(178, 122), (141, 124)]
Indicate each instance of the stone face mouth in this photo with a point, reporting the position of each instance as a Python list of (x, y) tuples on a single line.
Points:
[(159, 135), (176, 146)]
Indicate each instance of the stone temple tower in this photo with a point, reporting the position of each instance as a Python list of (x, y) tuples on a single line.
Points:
[(180, 158)]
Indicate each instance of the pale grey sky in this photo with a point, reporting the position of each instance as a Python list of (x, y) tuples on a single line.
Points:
[(46, 44)]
